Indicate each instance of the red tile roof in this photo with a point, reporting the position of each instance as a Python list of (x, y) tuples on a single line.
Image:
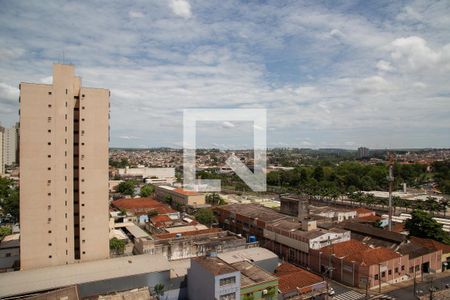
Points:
[(370, 218), (142, 204), (357, 251), (363, 210), (186, 192), (431, 244), (160, 218), (292, 278)]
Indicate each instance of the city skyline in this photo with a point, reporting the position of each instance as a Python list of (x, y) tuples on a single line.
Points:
[(330, 75)]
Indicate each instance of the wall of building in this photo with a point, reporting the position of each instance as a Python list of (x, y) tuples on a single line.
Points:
[(201, 284), (63, 171)]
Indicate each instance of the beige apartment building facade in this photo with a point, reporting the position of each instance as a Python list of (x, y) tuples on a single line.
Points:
[(64, 130)]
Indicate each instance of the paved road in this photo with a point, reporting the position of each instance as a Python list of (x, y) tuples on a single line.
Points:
[(423, 288), (345, 293)]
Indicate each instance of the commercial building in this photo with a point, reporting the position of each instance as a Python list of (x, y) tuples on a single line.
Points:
[(357, 264), (64, 130), (213, 278), (181, 196), (289, 237)]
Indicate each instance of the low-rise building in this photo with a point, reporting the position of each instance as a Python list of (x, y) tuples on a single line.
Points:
[(436, 246), (190, 244), (10, 253), (181, 196), (284, 235), (297, 283), (213, 278), (357, 264)]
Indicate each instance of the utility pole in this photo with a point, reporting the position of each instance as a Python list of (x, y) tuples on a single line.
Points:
[(390, 178), (379, 278), (367, 288), (415, 284)]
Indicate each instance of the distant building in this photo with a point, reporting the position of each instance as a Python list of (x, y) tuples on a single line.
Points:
[(180, 196), (363, 152), (150, 175), (9, 138), (64, 131)]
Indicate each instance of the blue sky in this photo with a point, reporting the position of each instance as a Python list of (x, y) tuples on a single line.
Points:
[(330, 73)]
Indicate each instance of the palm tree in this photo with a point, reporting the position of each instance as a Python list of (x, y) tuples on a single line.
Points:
[(159, 289)]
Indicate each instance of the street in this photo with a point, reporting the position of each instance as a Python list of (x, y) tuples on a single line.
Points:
[(422, 288)]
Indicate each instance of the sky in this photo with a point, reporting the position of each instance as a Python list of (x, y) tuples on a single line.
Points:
[(331, 74)]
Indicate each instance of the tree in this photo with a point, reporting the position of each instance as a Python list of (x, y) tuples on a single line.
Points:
[(116, 245), (205, 216), (4, 231), (214, 199), (147, 190), (423, 225), (159, 289), (318, 173), (126, 187)]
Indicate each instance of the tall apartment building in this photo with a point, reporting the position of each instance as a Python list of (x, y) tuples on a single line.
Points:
[(363, 152), (10, 140), (64, 135)]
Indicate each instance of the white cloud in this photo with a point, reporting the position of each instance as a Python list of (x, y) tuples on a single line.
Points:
[(181, 8), (9, 93), (384, 66), (135, 14), (413, 53)]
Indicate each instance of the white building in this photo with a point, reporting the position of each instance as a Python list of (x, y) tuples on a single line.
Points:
[(150, 175)]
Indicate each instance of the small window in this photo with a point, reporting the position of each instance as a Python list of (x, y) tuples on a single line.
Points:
[(82, 95), (65, 116), (49, 231), (49, 106), (65, 141), (49, 131), (66, 91), (49, 156), (403, 268), (82, 119), (383, 274), (49, 194), (83, 241), (49, 256), (82, 204), (49, 119), (82, 144), (66, 103), (49, 93), (49, 219), (84, 252), (49, 143), (82, 168), (49, 244), (82, 228), (396, 270), (49, 207), (390, 272), (376, 277), (82, 192), (49, 182), (82, 107), (82, 180), (49, 168), (65, 129)]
